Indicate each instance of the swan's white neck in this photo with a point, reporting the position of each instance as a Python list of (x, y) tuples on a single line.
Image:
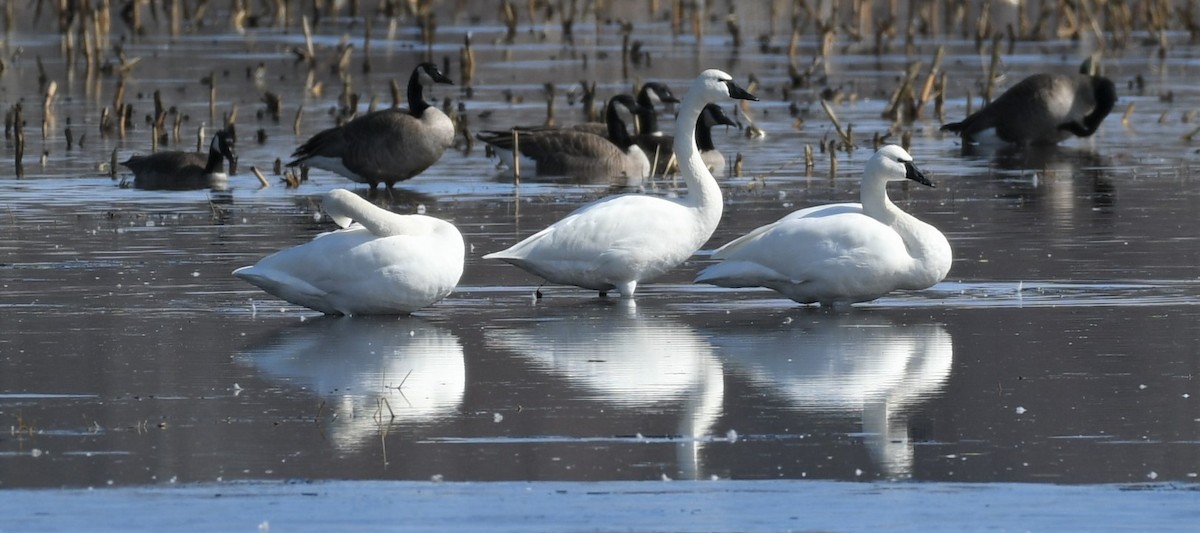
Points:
[(876, 204), (344, 206), (926, 245), (703, 193)]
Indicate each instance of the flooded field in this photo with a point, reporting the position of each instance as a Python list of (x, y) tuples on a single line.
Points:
[(1063, 347)]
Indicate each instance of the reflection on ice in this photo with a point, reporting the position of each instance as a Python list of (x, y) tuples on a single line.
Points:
[(630, 360), (1062, 178), (854, 364), (369, 370)]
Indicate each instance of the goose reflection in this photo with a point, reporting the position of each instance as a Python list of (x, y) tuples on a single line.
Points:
[(855, 364), (368, 369), (631, 361), (1056, 176)]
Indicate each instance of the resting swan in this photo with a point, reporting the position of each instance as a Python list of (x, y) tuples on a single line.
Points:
[(385, 264), (841, 253), (619, 241)]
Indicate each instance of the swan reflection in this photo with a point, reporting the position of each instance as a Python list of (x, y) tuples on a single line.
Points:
[(368, 369), (855, 364), (629, 360)]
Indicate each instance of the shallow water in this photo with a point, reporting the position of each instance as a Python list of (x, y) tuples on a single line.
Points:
[(1062, 348)]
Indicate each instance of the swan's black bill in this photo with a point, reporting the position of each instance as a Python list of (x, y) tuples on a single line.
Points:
[(738, 92), (913, 173)]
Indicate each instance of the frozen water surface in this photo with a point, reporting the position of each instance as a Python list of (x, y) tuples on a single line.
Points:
[(1049, 383)]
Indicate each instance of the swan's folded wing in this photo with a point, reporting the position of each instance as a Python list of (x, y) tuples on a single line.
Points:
[(588, 231), (810, 212), (285, 286), (735, 274), (800, 249)]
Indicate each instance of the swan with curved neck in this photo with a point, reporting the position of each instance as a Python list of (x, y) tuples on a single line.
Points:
[(386, 264), (619, 241), (841, 253)]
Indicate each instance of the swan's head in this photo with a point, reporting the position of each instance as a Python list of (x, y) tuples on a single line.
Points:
[(715, 85), (337, 205), (428, 74), (893, 163)]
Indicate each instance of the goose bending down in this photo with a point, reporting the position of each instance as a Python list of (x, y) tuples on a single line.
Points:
[(1042, 109), (841, 253), (570, 152), (619, 241), (388, 145), (385, 264), (185, 170)]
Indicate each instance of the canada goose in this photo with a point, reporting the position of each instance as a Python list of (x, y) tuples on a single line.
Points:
[(841, 253), (570, 152), (660, 146), (388, 145), (651, 93), (619, 241), (1042, 109), (647, 135), (185, 170), (385, 264)]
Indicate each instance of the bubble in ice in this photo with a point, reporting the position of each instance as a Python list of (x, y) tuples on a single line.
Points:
[(1020, 410)]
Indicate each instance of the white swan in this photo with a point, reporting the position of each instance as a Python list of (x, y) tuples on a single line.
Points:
[(841, 253), (386, 264), (618, 241)]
